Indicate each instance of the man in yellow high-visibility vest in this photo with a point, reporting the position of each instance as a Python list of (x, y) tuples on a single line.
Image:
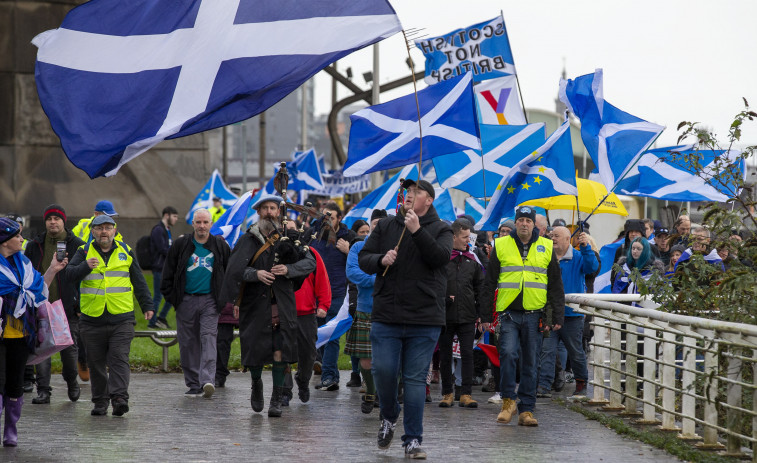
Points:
[(109, 277), (529, 299), (83, 229)]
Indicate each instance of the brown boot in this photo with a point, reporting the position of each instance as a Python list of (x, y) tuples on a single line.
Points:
[(527, 419), (447, 400), (467, 401), (508, 410)]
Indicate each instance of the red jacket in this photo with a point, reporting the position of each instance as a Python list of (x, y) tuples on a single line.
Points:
[(315, 292)]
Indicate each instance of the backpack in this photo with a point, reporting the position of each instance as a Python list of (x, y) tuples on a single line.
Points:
[(144, 254)]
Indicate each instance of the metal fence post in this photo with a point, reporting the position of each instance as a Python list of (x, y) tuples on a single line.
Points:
[(600, 354), (632, 345), (710, 390), (615, 364), (668, 380), (650, 378), (733, 397), (688, 384)]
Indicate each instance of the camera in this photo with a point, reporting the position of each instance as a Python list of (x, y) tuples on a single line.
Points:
[(60, 251)]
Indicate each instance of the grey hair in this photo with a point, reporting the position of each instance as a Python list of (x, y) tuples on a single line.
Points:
[(201, 211)]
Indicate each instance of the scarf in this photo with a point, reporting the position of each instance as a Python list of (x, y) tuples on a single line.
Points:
[(467, 254), (29, 284)]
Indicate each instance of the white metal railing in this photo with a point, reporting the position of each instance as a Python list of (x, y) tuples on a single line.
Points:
[(668, 370)]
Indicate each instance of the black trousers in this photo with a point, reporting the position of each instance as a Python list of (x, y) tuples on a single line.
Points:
[(465, 333), (68, 358), (307, 335), (223, 351), (108, 349), (13, 355)]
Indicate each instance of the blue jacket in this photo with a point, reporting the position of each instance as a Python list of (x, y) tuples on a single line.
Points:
[(335, 261), (575, 266), (362, 280)]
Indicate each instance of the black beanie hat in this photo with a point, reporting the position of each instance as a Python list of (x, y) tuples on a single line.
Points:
[(55, 209)]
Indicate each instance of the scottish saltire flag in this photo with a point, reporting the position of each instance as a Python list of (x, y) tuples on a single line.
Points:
[(383, 197), (603, 282), (475, 207), (321, 161), (503, 147), (498, 102), (385, 136), (336, 327), (482, 49), (305, 172), (666, 176), (231, 224), (443, 205), (548, 171), (614, 139), (119, 77), (214, 187), (712, 258)]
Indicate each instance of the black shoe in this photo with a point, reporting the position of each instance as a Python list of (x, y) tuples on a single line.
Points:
[(303, 393), (220, 382), (369, 400), (256, 399), (274, 407), (150, 326), (120, 406), (414, 451), (162, 323), (328, 385), (286, 396), (354, 380), (100, 409), (559, 382), (74, 391), (193, 393), (385, 434), (28, 387), (43, 397)]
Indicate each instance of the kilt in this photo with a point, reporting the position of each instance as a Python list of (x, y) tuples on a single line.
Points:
[(359, 336)]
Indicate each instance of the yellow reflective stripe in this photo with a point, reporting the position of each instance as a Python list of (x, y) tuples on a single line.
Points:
[(116, 273), (512, 268), (118, 289), (95, 291), (529, 268), (509, 285), (533, 284), (95, 276)]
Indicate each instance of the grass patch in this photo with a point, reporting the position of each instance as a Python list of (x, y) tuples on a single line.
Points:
[(145, 355), (662, 440)]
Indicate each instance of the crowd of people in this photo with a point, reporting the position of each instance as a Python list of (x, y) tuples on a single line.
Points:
[(417, 289)]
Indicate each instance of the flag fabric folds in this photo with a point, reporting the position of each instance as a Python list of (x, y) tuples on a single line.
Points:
[(385, 136), (231, 224), (503, 147), (475, 208), (119, 77), (498, 102), (304, 172), (215, 187), (383, 197), (603, 283), (548, 171), (443, 205), (336, 327), (614, 139)]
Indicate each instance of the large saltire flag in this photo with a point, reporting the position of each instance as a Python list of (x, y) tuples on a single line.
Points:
[(383, 197), (231, 224), (671, 174), (498, 102), (603, 283), (444, 206), (386, 136), (475, 207), (336, 327), (119, 77), (483, 49), (548, 171), (304, 172), (214, 187), (614, 139), (503, 147)]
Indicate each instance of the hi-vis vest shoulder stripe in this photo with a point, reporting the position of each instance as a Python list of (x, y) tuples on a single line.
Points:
[(516, 275), (109, 284)]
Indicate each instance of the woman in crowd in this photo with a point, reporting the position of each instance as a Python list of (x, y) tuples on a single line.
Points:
[(639, 256)]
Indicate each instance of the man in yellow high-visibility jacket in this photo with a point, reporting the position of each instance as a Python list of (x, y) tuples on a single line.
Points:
[(529, 299), (109, 277), (217, 210), (83, 229)]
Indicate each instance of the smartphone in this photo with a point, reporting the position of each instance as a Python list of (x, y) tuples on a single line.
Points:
[(60, 251)]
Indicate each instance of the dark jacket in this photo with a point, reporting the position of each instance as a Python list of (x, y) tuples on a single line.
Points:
[(554, 309), (68, 290), (175, 269), (465, 281), (335, 261), (414, 288), (159, 245)]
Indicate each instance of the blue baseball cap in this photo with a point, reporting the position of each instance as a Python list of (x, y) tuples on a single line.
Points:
[(106, 207)]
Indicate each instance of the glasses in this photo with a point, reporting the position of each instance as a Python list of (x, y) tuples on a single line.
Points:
[(103, 227)]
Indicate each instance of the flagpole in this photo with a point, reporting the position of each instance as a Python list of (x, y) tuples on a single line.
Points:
[(517, 81)]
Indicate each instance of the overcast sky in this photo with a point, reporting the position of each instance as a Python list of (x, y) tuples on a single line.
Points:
[(664, 61)]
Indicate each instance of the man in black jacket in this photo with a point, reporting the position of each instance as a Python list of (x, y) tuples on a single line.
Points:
[(160, 242), (465, 279), (40, 251), (192, 279), (408, 307)]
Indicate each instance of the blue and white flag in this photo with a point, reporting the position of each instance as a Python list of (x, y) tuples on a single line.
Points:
[(548, 171), (603, 283), (336, 327), (215, 187), (482, 49), (386, 135), (305, 172), (231, 224), (443, 205), (475, 208), (503, 147), (673, 177), (383, 197), (712, 258), (119, 77), (614, 139)]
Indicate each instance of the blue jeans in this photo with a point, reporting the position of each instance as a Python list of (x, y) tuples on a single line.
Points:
[(519, 332), (330, 369), (156, 298), (571, 335), (409, 347)]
